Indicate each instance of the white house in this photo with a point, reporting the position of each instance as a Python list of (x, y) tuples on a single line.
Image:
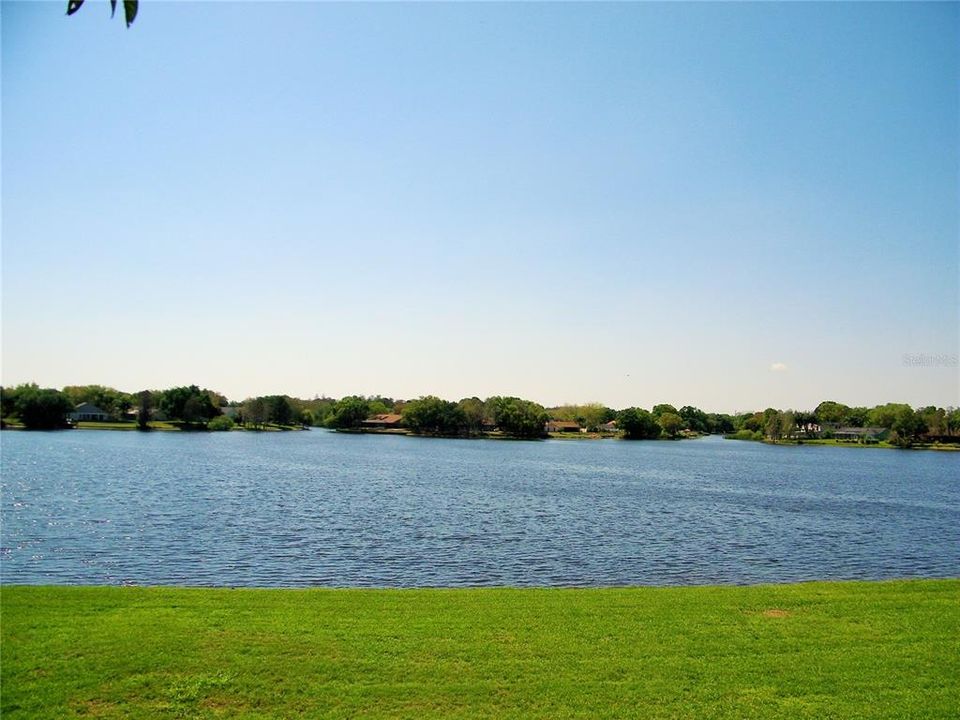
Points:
[(88, 411)]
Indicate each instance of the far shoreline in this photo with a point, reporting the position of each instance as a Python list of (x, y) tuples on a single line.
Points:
[(166, 427)]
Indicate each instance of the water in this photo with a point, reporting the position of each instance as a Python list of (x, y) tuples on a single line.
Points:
[(325, 509)]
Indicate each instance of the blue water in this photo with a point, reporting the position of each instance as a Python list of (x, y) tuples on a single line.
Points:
[(325, 509)]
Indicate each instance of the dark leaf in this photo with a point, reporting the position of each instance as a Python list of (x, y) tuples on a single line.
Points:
[(73, 6), (113, 8), (130, 10)]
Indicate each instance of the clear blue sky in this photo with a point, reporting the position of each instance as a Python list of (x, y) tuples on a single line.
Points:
[(726, 205)]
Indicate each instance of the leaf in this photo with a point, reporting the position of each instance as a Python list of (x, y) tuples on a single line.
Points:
[(73, 6), (113, 8), (130, 10)]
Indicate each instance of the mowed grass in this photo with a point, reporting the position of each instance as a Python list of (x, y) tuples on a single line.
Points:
[(817, 650)]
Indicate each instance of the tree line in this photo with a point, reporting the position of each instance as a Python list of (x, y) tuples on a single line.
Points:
[(193, 407), (900, 423)]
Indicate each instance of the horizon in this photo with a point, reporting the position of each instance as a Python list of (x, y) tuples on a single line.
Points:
[(731, 206)]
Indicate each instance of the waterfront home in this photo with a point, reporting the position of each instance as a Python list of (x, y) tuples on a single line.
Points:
[(858, 434), (384, 421), (562, 426), (807, 430), (88, 411)]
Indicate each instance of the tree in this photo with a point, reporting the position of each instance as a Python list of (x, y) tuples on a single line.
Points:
[(754, 422), (348, 412), (886, 415), (256, 412), (907, 426), (319, 408), (719, 423), (831, 412), (144, 404), (220, 423), (174, 401), (43, 409), (130, 8), (517, 417), (788, 423), (638, 424), (779, 425), (593, 415), (694, 419), (192, 410), (659, 410), (281, 412), (590, 416), (953, 421), (935, 420), (432, 415), (857, 417), (10, 397), (671, 423), (474, 414)]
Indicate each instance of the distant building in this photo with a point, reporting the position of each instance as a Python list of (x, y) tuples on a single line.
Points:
[(806, 431), (384, 421), (562, 426), (609, 426), (88, 411), (858, 434)]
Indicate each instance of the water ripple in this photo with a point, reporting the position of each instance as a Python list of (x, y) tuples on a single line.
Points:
[(321, 509)]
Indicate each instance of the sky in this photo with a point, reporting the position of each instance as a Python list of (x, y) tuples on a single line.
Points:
[(730, 205)]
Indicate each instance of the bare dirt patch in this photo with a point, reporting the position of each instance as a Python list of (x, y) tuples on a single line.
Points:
[(96, 708), (776, 613)]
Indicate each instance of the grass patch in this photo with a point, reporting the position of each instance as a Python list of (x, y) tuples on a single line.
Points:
[(839, 443), (116, 425), (744, 435), (817, 650), (178, 426)]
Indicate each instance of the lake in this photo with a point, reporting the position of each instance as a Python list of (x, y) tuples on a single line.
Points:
[(325, 509)]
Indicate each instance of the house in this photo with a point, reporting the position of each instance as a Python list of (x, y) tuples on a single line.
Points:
[(858, 434), (562, 426), (88, 411), (384, 421), (609, 427), (803, 431)]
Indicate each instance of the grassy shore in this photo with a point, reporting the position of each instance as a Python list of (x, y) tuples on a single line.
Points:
[(881, 444), (160, 425), (817, 650)]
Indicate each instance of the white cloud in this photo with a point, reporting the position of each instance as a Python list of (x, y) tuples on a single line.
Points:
[(778, 367)]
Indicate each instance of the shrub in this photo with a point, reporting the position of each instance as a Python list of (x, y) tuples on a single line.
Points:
[(745, 434), (221, 422)]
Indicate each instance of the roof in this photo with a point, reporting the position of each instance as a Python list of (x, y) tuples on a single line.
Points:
[(861, 430), (564, 424), (88, 408), (384, 418)]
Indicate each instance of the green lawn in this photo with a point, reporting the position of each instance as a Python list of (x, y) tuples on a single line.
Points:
[(819, 650), (123, 425), (167, 425)]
